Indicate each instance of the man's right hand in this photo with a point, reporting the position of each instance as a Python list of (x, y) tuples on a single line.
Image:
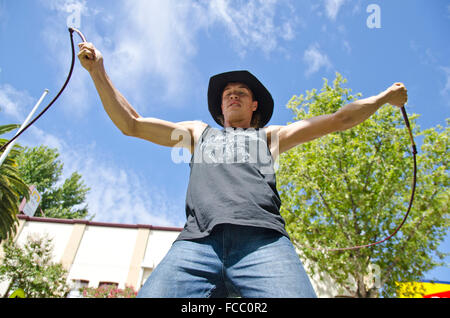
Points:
[(90, 58), (181, 134)]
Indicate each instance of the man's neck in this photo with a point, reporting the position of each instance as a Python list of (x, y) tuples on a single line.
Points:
[(237, 124)]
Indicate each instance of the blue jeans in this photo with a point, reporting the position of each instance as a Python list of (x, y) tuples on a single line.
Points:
[(234, 261)]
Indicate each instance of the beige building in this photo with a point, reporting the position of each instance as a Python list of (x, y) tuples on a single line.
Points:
[(97, 253)]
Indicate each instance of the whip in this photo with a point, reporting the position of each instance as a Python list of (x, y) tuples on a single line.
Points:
[(71, 30), (414, 152)]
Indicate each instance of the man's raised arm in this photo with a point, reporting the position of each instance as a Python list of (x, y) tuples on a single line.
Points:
[(345, 118), (125, 117)]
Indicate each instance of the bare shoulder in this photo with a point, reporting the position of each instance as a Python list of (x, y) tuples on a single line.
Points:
[(195, 127), (305, 130), (272, 133), (193, 124), (273, 129)]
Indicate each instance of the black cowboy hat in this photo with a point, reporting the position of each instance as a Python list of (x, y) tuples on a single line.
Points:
[(218, 82)]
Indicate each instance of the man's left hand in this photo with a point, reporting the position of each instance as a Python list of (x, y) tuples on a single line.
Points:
[(397, 95)]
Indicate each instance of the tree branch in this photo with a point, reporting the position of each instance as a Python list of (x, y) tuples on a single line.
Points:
[(328, 207), (404, 241), (369, 169)]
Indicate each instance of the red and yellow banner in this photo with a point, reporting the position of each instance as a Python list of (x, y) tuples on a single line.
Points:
[(426, 289)]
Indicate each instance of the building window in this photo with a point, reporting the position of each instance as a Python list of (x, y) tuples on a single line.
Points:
[(108, 284), (77, 285)]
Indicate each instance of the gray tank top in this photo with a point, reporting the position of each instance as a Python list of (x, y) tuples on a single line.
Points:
[(232, 180)]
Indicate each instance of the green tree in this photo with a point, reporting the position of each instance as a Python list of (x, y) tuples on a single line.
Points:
[(12, 187), (353, 187), (31, 269), (41, 167)]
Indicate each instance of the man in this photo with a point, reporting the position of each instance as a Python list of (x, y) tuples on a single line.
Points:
[(234, 242)]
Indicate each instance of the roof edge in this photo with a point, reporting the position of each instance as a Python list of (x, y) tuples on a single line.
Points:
[(95, 223)]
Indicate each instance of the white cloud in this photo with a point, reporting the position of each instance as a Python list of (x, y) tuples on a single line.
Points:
[(347, 47), (154, 41), (332, 8), (160, 37), (37, 136), (150, 44), (14, 103), (445, 91), (121, 196), (252, 24), (117, 195), (288, 33), (357, 7), (64, 5), (74, 98), (315, 59)]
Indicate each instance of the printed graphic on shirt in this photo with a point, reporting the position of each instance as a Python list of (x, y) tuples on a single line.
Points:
[(233, 145)]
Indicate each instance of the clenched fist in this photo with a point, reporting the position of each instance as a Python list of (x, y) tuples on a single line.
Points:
[(397, 95), (90, 58)]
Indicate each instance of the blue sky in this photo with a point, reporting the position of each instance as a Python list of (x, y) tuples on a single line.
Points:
[(160, 55)]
